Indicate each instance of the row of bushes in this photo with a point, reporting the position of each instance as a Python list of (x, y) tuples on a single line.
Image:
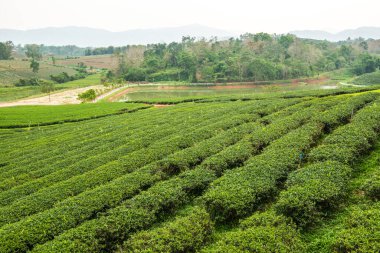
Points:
[(64, 77), (106, 149), (348, 142), (238, 192), (102, 195), (318, 187), (185, 234), (104, 233), (312, 191), (371, 186), (66, 141), (117, 226), (61, 173), (262, 232), (361, 230), (46, 197), (148, 122)]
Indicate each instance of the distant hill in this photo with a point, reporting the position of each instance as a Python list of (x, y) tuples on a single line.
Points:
[(364, 32), (84, 36)]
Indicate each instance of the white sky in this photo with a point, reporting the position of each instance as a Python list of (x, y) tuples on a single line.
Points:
[(234, 15)]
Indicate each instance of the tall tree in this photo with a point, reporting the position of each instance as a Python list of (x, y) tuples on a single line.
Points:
[(6, 50), (34, 53)]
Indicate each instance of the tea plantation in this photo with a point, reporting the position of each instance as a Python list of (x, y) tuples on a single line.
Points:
[(296, 172)]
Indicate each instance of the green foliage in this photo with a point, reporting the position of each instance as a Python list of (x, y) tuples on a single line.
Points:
[(366, 64), (34, 65), (371, 186), (361, 231), (312, 191), (33, 51), (348, 142), (252, 57), (156, 180), (6, 50), (184, 234), (25, 116), (88, 95), (368, 79), (239, 192), (133, 74), (28, 82), (46, 86), (262, 232), (64, 77)]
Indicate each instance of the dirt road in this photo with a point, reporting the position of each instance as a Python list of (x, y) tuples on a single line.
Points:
[(59, 98)]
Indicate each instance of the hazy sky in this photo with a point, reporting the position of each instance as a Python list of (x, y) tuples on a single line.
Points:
[(235, 15)]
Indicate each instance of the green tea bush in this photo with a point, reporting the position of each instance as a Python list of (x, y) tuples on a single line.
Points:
[(361, 231), (313, 190), (184, 234), (262, 232), (371, 186)]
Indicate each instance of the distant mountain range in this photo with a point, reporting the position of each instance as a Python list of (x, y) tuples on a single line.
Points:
[(84, 36), (364, 32)]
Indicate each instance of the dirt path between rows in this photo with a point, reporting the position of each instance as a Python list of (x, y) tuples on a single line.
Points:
[(59, 98)]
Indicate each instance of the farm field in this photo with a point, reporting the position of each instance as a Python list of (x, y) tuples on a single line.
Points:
[(11, 71), (15, 93), (95, 61), (26, 116), (294, 171)]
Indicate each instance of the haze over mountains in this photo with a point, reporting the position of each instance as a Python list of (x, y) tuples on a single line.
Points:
[(84, 36), (364, 32)]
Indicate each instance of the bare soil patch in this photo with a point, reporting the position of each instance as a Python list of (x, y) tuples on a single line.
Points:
[(59, 98)]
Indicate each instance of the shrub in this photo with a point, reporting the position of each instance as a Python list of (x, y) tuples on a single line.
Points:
[(361, 231), (262, 232), (88, 95), (28, 82), (184, 234), (313, 190), (368, 79), (371, 187)]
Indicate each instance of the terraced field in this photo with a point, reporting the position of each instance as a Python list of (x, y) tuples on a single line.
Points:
[(266, 173)]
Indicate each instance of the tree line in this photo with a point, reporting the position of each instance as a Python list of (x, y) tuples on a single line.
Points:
[(252, 57)]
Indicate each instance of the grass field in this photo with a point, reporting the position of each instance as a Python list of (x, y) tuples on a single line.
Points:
[(11, 71), (97, 61), (266, 174), (26, 116), (15, 93), (368, 79)]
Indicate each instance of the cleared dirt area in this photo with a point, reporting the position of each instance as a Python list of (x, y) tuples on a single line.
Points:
[(59, 98)]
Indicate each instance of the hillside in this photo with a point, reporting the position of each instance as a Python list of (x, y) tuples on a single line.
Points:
[(257, 173)]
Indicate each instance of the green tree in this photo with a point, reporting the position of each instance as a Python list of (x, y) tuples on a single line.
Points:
[(34, 65), (46, 87), (364, 45), (6, 50), (88, 95), (33, 52)]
